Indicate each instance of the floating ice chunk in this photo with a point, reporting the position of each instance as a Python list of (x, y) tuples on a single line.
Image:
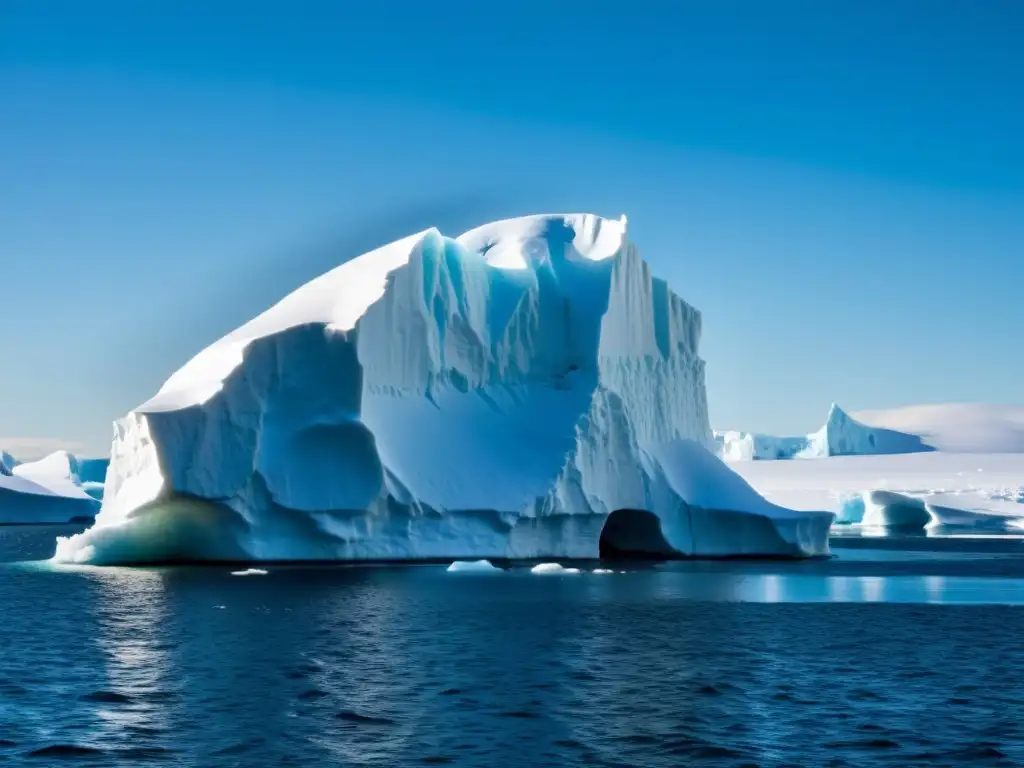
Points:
[(250, 572), (473, 566), (602, 570), (888, 509), (552, 568)]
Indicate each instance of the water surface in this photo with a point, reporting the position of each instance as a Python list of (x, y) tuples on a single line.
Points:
[(887, 654)]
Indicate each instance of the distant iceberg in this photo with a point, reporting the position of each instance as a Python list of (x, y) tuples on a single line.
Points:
[(525, 390), (841, 435), (59, 488)]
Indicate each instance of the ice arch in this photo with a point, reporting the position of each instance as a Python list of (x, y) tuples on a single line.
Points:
[(633, 533)]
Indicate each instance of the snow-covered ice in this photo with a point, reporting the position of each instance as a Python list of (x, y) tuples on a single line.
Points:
[(250, 572), (495, 395), (937, 490), (473, 566), (956, 427), (841, 435), (951, 427), (55, 489)]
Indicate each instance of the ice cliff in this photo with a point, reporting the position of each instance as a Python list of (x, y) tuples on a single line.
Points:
[(7, 464), (501, 394), (841, 435)]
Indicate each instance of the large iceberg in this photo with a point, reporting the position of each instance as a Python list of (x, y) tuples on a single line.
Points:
[(841, 435), (58, 488), (502, 394)]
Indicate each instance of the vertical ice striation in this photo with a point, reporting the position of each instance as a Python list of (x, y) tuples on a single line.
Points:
[(495, 395)]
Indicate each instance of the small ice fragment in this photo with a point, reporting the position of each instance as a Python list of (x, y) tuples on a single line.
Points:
[(249, 572), (220, 607), (552, 568), (602, 570), (472, 566)]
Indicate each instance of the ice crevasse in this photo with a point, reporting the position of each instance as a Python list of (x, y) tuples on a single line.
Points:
[(501, 394)]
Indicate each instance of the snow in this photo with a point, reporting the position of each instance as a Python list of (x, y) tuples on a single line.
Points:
[(473, 566), (954, 490), (495, 395), (49, 490), (841, 435), (552, 569), (59, 472), (957, 427)]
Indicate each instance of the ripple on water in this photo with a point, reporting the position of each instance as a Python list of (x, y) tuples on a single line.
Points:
[(126, 668), (65, 751), (349, 716), (106, 697)]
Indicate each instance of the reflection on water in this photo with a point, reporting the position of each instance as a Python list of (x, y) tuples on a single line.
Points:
[(130, 615), (880, 589)]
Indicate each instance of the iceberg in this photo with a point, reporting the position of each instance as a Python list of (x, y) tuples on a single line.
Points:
[(956, 427), (525, 390), (50, 490), (66, 474), (841, 435)]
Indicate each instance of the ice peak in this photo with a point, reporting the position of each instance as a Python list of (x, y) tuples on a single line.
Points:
[(518, 243), (836, 414)]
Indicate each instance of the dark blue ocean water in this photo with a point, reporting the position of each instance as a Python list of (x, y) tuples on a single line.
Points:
[(893, 653)]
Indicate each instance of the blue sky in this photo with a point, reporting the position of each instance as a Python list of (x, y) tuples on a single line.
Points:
[(838, 186)]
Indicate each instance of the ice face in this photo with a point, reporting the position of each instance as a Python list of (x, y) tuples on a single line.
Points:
[(499, 394)]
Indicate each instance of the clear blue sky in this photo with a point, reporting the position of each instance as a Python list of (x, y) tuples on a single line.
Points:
[(839, 186)]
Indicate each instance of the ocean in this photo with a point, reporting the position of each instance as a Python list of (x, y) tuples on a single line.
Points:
[(893, 652)]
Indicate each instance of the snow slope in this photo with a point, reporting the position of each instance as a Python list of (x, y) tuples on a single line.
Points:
[(499, 394), (956, 427), (841, 435)]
